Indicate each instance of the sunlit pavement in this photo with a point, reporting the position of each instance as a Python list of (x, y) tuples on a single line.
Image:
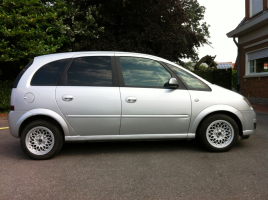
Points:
[(137, 170)]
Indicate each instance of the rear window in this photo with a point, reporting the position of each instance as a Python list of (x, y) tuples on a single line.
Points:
[(49, 74), (21, 73)]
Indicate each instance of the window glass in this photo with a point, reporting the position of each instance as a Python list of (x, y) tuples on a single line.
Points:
[(256, 6), (90, 71), (258, 65), (191, 81), (49, 74), (142, 72)]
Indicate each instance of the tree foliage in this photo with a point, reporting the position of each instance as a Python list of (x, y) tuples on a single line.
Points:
[(29, 28), (171, 29)]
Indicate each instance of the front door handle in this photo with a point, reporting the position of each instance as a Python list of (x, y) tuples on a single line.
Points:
[(67, 98), (131, 99)]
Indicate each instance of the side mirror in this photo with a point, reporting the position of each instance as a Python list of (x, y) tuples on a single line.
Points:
[(173, 83)]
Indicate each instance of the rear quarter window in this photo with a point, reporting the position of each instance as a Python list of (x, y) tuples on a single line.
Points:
[(49, 74)]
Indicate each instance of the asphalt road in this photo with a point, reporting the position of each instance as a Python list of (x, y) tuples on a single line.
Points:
[(137, 170)]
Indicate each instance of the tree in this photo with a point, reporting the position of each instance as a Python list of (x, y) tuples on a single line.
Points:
[(30, 28), (170, 29)]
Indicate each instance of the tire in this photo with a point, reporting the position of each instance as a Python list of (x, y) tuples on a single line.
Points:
[(218, 133), (41, 139)]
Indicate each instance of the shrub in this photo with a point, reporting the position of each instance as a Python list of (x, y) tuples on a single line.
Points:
[(5, 92)]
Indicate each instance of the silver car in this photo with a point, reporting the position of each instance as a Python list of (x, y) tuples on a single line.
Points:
[(90, 96)]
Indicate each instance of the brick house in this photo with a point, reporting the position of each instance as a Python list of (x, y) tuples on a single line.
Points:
[(252, 59)]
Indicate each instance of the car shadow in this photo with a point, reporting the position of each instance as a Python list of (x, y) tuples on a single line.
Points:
[(86, 148)]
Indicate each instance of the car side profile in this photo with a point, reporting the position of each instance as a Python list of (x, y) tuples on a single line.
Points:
[(98, 96)]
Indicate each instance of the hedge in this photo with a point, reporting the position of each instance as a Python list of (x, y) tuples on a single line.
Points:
[(5, 92), (221, 77)]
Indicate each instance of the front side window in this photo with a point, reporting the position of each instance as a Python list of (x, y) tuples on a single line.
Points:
[(143, 72), (257, 62), (191, 81), (90, 71), (49, 74)]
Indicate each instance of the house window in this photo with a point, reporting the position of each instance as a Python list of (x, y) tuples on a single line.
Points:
[(256, 6), (257, 62)]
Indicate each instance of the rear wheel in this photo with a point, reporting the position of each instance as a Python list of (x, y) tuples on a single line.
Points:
[(41, 139), (218, 133)]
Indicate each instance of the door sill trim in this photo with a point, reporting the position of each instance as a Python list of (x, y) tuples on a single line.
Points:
[(128, 137)]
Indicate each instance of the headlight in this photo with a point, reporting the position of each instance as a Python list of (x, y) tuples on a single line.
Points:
[(249, 104)]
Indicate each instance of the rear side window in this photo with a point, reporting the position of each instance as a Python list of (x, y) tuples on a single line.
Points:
[(49, 74), (192, 82), (90, 71), (20, 74)]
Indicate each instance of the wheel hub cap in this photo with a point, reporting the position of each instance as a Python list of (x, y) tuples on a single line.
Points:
[(220, 133), (39, 140)]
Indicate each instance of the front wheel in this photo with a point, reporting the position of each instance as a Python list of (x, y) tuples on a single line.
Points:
[(41, 139), (218, 133)]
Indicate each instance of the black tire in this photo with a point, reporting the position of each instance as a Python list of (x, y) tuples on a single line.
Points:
[(44, 139), (218, 133)]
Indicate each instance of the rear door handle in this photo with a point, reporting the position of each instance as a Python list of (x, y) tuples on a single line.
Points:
[(67, 98), (131, 99)]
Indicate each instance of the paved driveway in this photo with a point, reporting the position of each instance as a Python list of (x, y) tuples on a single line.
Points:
[(137, 170)]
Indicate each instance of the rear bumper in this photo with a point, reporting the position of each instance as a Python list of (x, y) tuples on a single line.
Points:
[(13, 117), (250, 124)]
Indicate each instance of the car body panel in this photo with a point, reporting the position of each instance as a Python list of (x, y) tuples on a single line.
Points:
[(93, 110), (151, 114)]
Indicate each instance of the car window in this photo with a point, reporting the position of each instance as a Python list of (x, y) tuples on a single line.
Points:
[(191, 81), (90, 71), (49, 74), (142, 72)]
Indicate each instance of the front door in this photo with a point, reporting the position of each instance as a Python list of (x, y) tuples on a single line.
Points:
[(89, 99), (148, 105)]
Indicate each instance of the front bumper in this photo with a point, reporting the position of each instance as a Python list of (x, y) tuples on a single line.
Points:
[(250, 124)]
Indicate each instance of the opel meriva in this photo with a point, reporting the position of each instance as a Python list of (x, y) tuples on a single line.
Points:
[(90, 96)]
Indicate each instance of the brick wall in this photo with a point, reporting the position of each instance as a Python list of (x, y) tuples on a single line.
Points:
[(247, 9), (253, 87)]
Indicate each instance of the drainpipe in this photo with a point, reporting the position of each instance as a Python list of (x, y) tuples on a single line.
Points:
[(238, 64)]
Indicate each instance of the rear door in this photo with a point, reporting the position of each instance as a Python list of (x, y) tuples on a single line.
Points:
[(89, 97), (148, 105)]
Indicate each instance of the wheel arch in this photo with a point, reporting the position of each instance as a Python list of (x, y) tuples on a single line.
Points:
[(233, 116), (227, 110), (44, 114)]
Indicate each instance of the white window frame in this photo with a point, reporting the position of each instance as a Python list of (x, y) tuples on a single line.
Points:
[(247, 66), (251, 10)]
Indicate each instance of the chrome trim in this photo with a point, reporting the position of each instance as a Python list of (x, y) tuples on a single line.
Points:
[(248, 132), (155, 116), (93, 116), (191, 135), (125, 137)]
